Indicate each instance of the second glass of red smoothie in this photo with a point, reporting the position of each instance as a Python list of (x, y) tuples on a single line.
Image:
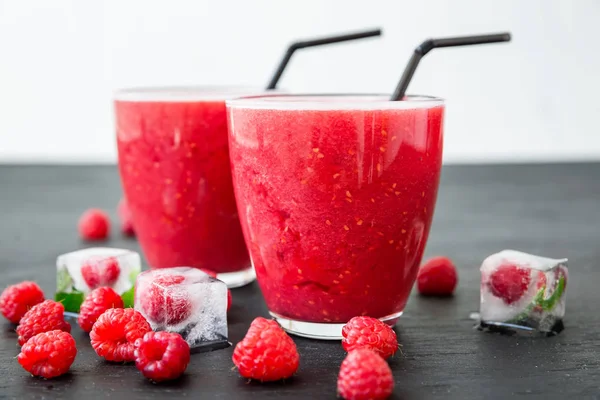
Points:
[(336, 195), (175, 170)]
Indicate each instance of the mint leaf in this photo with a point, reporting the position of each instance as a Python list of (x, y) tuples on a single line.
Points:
[(63, 280), (549, 303), (71, 301), (546, 304), (128, 297), (524, 315)]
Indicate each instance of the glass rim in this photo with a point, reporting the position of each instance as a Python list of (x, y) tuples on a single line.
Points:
[(333, 101), (184, 93)]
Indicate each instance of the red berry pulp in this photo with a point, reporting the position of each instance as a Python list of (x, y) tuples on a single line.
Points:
[(174, 166), (336, 204)]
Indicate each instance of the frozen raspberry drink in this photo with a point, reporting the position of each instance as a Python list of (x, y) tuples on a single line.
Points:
[(174, 166), (336, 196)]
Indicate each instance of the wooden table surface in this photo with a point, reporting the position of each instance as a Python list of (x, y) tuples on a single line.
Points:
[(552, 210)]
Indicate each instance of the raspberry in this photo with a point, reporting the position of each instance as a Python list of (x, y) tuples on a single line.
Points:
[(365, 375), (509, 282), (17, 299), (369, 333), (437, 277), (214, 275), (100, 272), (125, 217), (95, 304), (93, 225), (266, 353), (161, 356), (115, 332), (43, 317), (48, 354), (164, 304)]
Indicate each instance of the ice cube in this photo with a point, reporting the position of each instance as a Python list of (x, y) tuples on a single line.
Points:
[(186, 301), (81, 271), (522, 292)]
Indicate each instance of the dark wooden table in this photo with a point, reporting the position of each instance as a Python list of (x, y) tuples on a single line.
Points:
[(546, 209)]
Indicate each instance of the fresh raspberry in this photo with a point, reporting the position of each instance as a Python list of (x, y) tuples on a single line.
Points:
[(93, 225), (48, 354), (369, 333), (95, 304), (100, 272), (164, 302), (266, 353), (214, 275), (437, 277), (115, 332), (17, 299), (161, 356), (364, 375), (43, 317), (509, 282), (125, 217)]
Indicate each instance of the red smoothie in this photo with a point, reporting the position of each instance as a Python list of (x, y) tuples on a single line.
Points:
[(336, 196), (174, 166)]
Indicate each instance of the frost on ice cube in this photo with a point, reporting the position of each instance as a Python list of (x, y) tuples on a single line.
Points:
[(80, 272), (521, 292), (186, 301)]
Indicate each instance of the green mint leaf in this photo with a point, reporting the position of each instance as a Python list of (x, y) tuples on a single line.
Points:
[(549, 303), (128, 297), (71, 301), (546, 304), (524, 315)]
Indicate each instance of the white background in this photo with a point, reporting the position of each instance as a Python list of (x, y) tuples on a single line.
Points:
[(534, 99)]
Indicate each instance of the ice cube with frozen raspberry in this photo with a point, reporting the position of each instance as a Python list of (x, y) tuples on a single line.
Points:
[(81, 271), (187, 301), (523, 293)]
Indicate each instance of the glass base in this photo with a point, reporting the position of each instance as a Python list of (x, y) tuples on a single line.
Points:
[(238, 278), (321, 331)]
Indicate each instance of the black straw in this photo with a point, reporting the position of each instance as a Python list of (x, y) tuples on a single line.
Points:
[(431, 44), (316, 42)]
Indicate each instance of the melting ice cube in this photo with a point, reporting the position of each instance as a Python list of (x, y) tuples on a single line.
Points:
[(80, 272), (186, 301), (523, 292)]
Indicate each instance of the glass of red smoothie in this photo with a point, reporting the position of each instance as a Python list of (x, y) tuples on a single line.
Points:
[(174, 166), (336, 195)]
